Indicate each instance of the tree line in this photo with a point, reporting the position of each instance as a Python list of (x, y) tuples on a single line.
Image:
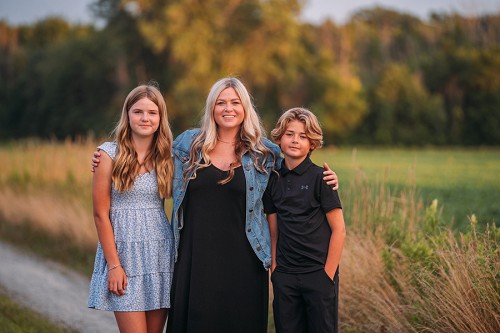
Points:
[(383, 77)]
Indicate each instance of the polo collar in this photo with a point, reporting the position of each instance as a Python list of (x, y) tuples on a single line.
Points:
[(299, 169)]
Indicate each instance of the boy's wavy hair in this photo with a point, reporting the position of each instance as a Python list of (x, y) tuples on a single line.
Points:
[(313, 128)]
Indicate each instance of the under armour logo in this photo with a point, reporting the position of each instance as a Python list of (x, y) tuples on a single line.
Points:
[(304, 187)]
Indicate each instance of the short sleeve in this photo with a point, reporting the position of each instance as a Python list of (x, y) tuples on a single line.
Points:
[(329, 198), (267, 198), (109, 148)]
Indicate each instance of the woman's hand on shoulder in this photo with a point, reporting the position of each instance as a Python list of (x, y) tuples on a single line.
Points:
[(330, 177), (95, 160)]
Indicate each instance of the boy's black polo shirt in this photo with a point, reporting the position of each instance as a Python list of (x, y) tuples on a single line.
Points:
[(301, 198)]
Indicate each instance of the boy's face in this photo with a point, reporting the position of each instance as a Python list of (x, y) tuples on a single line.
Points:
[(294, 143)]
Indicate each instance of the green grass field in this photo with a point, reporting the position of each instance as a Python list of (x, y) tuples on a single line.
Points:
[(465, 181)]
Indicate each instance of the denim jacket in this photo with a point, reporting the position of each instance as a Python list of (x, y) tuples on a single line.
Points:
[(257, 229)]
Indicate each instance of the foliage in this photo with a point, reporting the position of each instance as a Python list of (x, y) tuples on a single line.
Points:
[(403, 111), (384, 77)]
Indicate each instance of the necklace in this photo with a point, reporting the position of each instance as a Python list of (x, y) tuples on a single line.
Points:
[(228, 142)]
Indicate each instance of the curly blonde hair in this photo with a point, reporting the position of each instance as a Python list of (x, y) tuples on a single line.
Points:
[(250, 135), (313, 128), (126, 166)]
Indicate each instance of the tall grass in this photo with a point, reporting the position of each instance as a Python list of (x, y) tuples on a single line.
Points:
[(403, 268), (403, 271), (48, 186)]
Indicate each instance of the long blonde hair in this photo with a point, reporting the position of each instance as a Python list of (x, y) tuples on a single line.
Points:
[(126, 166), (250, 134)]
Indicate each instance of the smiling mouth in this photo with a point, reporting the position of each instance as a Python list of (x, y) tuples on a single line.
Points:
[(228, 116)]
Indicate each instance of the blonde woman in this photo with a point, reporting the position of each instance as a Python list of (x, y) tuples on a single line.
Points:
[(134, 260)]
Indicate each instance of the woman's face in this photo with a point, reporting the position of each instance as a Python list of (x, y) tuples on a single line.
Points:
[(228, 110)]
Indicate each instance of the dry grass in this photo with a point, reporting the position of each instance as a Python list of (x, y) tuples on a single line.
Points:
[(403, 272), (52, 214), (41, 163), (48, 186), (368, 301), (462, 293)]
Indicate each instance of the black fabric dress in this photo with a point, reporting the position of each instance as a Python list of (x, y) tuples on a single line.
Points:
[(219, 283)]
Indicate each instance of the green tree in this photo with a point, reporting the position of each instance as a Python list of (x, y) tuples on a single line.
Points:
[(403, 111), (64, 101)]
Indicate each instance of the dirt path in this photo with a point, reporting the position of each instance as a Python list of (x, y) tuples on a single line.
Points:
[(52, 290)]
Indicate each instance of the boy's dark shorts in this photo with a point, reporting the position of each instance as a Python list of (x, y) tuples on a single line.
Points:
[(305, 302)]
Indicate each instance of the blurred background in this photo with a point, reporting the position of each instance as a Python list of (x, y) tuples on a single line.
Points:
[(406, 74), (407, 92)]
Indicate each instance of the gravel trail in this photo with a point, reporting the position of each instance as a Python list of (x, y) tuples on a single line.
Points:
[(52, 290)]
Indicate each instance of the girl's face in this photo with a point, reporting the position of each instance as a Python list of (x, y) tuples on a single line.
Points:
[(294, 143), (144, 118), (228, 110)]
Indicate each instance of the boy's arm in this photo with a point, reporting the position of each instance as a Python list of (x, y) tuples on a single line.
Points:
[(336, 221), (272, 220)]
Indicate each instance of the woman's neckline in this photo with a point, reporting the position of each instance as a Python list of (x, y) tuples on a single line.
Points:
[(239, 166)]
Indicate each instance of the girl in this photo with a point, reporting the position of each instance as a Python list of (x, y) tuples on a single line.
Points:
[(134, 261)]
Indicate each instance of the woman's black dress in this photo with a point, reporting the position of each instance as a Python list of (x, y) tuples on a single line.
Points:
[(219, 283)]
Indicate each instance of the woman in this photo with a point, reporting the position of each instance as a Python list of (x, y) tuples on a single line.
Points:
[(221, 171)]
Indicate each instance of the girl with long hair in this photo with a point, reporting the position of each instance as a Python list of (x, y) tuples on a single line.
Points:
[(134, 260)]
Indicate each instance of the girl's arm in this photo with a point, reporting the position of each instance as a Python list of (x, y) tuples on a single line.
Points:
[(336, 221), (272, 220), (101, 200)]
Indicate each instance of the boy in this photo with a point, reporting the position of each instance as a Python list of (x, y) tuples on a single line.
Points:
[(307, 231)]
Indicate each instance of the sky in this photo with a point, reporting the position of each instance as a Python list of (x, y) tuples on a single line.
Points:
[(28, 11)]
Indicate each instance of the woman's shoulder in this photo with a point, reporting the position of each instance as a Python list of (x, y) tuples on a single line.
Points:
[(184, 140), (275, 150), (110, 148), (271, 146)]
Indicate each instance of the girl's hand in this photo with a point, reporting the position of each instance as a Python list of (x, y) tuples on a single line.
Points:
[(330, 177), (117, 281), (95, 160)]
